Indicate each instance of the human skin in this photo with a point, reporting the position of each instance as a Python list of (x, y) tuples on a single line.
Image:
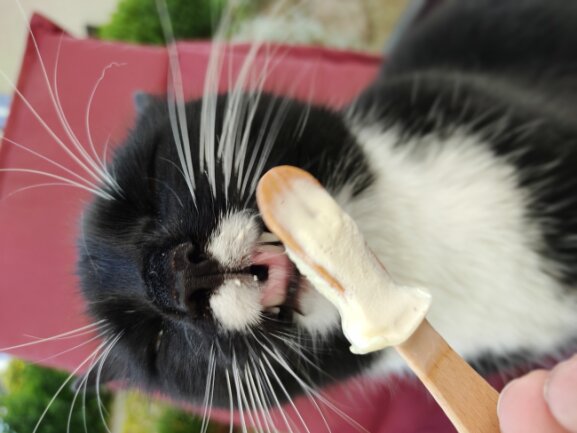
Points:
[(542, 401)]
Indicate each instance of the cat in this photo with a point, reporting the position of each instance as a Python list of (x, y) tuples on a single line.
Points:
[(457, 163)]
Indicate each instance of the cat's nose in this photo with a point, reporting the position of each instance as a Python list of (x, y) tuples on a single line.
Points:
[(196, 277)]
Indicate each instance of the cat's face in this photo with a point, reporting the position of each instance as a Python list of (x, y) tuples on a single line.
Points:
[(190, 285)]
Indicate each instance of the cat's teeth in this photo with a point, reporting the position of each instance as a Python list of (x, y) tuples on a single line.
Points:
[(273, 310), (255, 278), (270, 249), (267, 238)]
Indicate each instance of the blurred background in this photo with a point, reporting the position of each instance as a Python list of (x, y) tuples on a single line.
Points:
[(363, 25)]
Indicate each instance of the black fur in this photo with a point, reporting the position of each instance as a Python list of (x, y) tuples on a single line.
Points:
[(123, 265), (504, 70)]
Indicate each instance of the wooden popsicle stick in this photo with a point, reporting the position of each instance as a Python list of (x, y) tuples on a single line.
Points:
[(465, 397)]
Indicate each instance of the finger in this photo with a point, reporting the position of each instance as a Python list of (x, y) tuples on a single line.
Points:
[(561, 394), (522, 407)]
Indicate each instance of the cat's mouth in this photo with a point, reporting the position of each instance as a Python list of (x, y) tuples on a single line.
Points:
[(279, 279), (266, 290)]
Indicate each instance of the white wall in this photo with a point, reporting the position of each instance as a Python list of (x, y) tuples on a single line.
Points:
[(72, 15)]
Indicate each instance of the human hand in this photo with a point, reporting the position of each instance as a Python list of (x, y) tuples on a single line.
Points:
[(541, 402)]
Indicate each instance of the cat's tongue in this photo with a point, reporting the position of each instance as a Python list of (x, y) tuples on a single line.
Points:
[(280, 270)]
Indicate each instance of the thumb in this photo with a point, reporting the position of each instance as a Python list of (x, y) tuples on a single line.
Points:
[(561, 394)]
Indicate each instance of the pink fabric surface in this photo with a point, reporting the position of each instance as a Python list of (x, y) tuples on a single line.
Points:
[(363, 405), (94, 82)]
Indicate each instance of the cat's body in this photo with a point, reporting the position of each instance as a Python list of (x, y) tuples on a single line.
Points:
[(458, 164)]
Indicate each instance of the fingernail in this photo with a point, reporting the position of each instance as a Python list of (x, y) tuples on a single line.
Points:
[(559, 393), (502, 394), (554, 372)]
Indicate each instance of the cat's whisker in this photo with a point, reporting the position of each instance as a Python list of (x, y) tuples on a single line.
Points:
[(94, 171), (68, 334), (178, 168), (180, 146), (230, 400), (187, 339), (292, 342), (311, 391), (288, 420), (234, 112), (36, 186), (238, 396), (84, 382), (212, 385), (65, 383), (304, 117), (269, 143), (265, 415), (175, 100), (101, 362), (250, 408), (84, 389), (282, 388), (81, 386), (166, 185), (256, 414), (240, 154), (94, 161), (52, 162), (251, 411), (97, 364), (69, 182), (208, 391), (207, 146), (95, 268), (298, 350), (261, 389), (84, 343), (243, 178), (311, 396), (308, 338), (105, 150), (237, 124), (257, 147), (245, 97), (79, 334), (102, 162), (271, 137)]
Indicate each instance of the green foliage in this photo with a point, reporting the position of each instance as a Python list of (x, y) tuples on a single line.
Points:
[(29, 390), (144, 414), (138, 21), (141, 413), (177, 421)]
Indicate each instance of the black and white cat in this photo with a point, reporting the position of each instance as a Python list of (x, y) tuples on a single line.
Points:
[(459, 165)]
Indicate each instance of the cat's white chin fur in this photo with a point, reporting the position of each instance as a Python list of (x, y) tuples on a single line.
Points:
[(319, 316), (236, 305), (234, 239)]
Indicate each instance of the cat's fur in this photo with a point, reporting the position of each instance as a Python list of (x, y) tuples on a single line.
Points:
[(458, 164)]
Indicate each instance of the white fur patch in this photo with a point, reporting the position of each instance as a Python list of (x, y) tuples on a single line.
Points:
[(234, 239), (320, 317), (450, 217), (443, 214), (236, 305)]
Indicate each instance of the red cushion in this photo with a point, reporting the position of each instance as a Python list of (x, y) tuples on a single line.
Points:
[(39, 226)]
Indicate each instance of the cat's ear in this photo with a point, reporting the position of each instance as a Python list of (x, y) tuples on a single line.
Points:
[(144, 102), (94, 380)]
